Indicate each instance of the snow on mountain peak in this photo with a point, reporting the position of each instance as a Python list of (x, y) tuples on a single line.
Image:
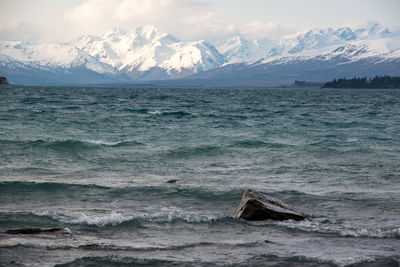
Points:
[(146, 48), (376, 31), (136, 53), (238, 49), (319, 38), (148, 53), (345, 34)]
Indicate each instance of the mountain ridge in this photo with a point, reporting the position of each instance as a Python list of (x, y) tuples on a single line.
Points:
[(146, 54)]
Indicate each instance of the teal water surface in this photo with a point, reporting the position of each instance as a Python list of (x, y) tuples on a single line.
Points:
[(96, 162)]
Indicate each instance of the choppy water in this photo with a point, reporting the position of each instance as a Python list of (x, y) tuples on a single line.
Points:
[(96, 161)]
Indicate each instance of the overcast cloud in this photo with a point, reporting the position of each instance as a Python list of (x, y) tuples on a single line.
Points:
[(46, 20)]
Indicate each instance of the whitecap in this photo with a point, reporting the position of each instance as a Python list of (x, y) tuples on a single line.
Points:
[(104, 143), (157, 112), (377, 232), (114, 218), (178, 214)]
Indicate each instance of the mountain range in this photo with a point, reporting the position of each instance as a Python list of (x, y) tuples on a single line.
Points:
[(148, 56)]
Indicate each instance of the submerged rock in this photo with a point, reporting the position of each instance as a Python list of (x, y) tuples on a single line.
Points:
[(32, 231), (3, 80), (255, 206)]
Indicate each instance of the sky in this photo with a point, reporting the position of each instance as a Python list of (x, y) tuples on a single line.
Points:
[(63, 20)]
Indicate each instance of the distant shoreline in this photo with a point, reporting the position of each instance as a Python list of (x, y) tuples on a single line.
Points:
[(227, 87)]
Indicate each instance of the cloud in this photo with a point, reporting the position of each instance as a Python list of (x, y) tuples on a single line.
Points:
[(256, 30), (187, 19), (181, 16), (14, 30), (63, 20)]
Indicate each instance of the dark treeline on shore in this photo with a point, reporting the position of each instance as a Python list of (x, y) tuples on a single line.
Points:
[(377, 82)]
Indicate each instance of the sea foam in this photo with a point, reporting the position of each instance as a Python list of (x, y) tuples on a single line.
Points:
[(166, 215), (114, 218)]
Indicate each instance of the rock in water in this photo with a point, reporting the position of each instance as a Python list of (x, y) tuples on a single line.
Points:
[(3, 80), (32, 231), (255, 206)]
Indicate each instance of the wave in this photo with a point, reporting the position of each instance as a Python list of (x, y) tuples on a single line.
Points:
[(112, 247), (18, 186), (171, 213), (69, 144), (198, 151), (357, 261), (349, 124), (33, 100), (72, 108), (55, 219), (258, 143), (159, 191), (117, 260), (115, 143), (260, 260), (170, 113), (118, 219), (139, 111), (157, 112), (113, 219), (104, 143), (121, 259), (338, 229), (94, 246)]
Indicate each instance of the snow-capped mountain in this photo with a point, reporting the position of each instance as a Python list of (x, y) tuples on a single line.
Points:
[(355, 58), (377, 31), (139, 52), (63, 63), (148, 54), (144, 53), (48, 56), (238, 49), (321, 38)]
